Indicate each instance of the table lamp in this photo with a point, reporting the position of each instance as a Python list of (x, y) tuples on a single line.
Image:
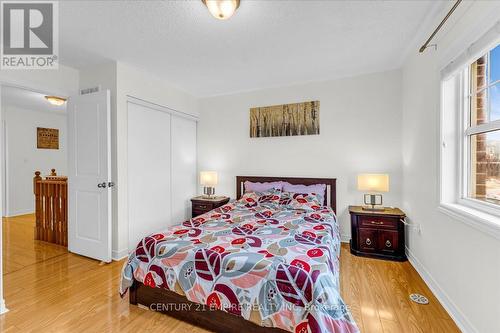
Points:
[(373, 183), (208, 179)]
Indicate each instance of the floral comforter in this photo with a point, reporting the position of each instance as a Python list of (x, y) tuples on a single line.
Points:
[(275, 266)]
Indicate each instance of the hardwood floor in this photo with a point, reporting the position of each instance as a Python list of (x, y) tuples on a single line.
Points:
[(377, 293), (48, 289), (19, 248)]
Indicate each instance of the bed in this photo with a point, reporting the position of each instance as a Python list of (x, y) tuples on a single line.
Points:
[(256, 264)]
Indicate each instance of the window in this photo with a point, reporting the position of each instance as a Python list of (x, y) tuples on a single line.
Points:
[(481, 149), (469, 153)]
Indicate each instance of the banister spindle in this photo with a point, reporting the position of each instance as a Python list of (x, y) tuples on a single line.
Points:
[(51, 208)]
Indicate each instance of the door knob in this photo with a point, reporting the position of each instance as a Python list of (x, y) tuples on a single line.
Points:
[(102, 185)]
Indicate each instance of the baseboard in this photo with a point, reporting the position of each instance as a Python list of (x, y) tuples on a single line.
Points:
[(345, 238), (119, 255), (458, 317), (3, 308)]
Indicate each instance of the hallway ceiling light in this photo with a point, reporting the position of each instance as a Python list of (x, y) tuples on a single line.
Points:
[(54, 100), (222, 9)]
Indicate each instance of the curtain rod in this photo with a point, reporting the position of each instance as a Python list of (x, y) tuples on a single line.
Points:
[(426, 44)]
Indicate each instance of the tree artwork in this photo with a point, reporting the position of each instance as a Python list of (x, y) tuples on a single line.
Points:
[(285, 120)]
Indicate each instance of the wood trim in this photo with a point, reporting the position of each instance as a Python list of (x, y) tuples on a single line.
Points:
[(200, 205), (331, 185), (51, 208), (179, 307), (381, 225), (394, 211)]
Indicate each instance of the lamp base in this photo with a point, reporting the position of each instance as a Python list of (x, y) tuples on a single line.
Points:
[(373, 208), (209, 192), (373, 203)]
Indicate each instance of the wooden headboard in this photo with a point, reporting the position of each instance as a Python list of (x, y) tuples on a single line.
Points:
[(331, 189)]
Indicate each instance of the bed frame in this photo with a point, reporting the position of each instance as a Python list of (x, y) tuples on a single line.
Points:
[(331, 186), (177, 306)]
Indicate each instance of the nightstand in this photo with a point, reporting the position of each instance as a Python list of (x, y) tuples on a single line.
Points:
[(201, 205), (378, 234)]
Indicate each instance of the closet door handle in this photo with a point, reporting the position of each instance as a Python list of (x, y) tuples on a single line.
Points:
[(102, 185), (111, 184)]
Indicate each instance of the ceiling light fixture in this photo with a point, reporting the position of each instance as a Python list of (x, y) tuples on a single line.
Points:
[(54, 100), (222, 9)]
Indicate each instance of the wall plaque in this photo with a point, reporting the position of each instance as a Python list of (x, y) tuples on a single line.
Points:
[(47, 138)]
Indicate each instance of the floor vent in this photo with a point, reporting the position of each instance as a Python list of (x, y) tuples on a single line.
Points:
[(420, 299)]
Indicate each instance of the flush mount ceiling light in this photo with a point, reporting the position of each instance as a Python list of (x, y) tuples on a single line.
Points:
[(54, 100), (222, 9)]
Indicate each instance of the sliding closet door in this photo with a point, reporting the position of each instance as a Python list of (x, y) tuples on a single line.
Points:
[(184, 180), (149, 171)]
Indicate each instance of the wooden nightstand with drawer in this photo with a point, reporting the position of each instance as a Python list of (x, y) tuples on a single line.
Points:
[(201, 205), (378, 234)]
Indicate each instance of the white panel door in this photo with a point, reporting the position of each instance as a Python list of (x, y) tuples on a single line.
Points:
[(149, 167), (184, 180), (89, 175)]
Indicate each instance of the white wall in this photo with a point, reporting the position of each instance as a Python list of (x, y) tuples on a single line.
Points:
[(360, 121), (23, 158), (124, 80), (460, 263), (60, 82), (3, 307)]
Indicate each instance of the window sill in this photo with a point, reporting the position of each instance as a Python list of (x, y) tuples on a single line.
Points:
[(487, 223)]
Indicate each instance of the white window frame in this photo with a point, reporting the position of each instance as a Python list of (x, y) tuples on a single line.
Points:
[(467, 131), (454, 156)]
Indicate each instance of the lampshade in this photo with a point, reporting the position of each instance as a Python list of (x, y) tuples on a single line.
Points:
[(373, 182), (222, 9), (208, 178)]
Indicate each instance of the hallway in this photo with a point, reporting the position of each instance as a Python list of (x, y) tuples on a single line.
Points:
[(19, 248)]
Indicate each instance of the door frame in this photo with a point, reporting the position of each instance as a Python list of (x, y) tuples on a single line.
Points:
[(4, 162), (3, 135), (40, 88)]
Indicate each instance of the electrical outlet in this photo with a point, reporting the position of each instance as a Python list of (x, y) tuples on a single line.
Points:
[(413, 226)]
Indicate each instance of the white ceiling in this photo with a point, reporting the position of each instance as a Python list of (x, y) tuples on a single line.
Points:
[(30, 100), (265, 44)]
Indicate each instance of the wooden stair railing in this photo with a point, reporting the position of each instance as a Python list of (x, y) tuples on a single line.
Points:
[(51, 208)]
